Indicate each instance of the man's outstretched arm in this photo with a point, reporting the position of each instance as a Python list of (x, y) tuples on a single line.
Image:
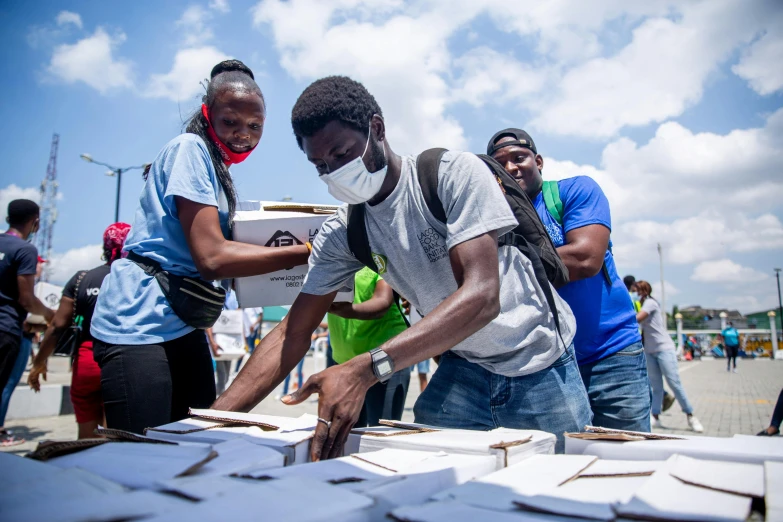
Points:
[(277, 354)]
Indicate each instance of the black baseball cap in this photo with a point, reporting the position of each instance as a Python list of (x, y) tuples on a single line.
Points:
[(523, 139)]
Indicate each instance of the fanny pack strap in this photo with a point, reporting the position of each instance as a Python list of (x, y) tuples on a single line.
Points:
[(150, 266)]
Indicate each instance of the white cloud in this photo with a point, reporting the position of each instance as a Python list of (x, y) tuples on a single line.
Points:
[(190, 67), (671, 290), (193, 25), (726, 271), (749, 304), (709, 235), (63, 266), (757, 65), (12, 192), (401, 57), (659, 74), (220, 5), (69, 18), (91, 60)]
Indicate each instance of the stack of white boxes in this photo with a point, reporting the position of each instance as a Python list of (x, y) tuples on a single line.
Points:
[(244, 467)]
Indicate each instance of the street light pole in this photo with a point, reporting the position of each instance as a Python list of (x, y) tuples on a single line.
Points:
[(780, 301), (663, 291), (114, 171)]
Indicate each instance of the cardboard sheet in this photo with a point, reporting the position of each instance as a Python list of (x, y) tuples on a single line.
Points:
[(98, 508), (664, 497), (273, 422), (450, 511), (299, 499), (773, 482), (137, 465), (18, 470), (56, 487), (731, 477), (206, 487), (335, 471), (613, 468), (535, 475), (235, 456)]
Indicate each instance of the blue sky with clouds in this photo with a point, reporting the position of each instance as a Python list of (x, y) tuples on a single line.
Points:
[(673, 107)]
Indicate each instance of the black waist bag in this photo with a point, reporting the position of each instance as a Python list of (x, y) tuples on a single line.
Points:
[(197, 302)]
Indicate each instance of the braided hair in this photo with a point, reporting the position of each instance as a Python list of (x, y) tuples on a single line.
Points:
[(225, 74)]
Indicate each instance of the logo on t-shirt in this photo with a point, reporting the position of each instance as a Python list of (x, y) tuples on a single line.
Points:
[(380, 262), (283, 238), (93, 292), (433, 245)]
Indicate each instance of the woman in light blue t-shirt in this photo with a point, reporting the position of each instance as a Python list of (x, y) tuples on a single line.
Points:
[(153, 365)]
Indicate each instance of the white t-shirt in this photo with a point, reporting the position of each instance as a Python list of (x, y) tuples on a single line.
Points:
[(656, 338), (249, 316)]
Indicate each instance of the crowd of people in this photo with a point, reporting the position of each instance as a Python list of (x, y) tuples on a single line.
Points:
[(512, 349)]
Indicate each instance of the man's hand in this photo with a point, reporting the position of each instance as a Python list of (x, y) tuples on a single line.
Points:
[(216, 349), (38, 370), (341, 390)]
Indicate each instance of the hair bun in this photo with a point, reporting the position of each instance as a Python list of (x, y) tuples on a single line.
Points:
[(231, 65)]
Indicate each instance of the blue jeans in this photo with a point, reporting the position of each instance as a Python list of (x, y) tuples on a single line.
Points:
[(299, 374), (619, 390), (464, 395), (660, 365), (16, 375)]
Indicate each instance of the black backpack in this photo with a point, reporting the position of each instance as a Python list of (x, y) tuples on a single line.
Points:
[(530, 236)]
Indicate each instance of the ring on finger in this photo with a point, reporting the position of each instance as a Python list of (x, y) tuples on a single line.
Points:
[(328, 423)]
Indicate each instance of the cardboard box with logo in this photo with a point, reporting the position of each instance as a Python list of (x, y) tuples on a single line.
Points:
[(228, 335), (278, 224), (49, 295)]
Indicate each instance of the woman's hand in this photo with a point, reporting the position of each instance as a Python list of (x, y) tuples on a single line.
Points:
[(38, 370)]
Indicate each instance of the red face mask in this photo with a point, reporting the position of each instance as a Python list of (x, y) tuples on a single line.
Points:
[(229, 157)]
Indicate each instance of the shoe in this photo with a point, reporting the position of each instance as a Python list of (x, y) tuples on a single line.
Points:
[(656, 423), (735, 370), (668, 400), (765, 433), (694, 424)]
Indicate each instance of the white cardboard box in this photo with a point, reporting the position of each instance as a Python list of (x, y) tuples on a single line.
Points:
[(49, 295), (506, 445), (290, 436), (232, 347), (276, 224), (229, 322)]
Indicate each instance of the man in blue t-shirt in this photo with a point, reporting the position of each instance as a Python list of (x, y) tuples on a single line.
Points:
[(731, 342), (609, 350), (18, 262)]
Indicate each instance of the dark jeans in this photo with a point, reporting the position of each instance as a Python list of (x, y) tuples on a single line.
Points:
[(149, 385), (9, 351), (731, 354), (777, 415), (384, 400), (619, 390)]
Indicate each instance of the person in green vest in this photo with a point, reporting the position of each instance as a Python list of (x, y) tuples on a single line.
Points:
[(356, 328)]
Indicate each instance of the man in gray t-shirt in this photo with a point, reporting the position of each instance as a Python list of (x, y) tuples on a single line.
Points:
[(503, 363)]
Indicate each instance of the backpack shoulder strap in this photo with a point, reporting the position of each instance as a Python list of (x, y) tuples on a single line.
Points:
[(358, 240), (427, 166), (554, 205)]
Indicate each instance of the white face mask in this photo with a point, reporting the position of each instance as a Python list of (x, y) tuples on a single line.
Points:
[(353, 183), (634, 296)]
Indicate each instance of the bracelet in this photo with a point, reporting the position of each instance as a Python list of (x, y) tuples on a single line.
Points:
[(309, 247)]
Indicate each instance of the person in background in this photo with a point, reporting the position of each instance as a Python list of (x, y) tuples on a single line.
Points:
[(731, 341), (86, 375), (609, 349), (154, 365), (777, 419), (359, 327), (630, 284), (251, 329), (18, 266), (661, 359), (29, 334), (222, 368)]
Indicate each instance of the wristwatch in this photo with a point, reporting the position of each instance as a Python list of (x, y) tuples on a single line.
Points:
[(382, 365)]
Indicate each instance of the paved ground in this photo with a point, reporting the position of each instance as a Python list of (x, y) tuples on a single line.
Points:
[(726, 403)]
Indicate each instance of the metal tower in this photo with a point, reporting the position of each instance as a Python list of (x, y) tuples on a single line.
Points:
[(48, 208)]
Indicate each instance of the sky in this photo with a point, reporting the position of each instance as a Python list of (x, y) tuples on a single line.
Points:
[(674, 107)]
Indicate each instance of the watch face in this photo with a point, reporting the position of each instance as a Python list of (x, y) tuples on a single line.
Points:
[(384, 367)]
